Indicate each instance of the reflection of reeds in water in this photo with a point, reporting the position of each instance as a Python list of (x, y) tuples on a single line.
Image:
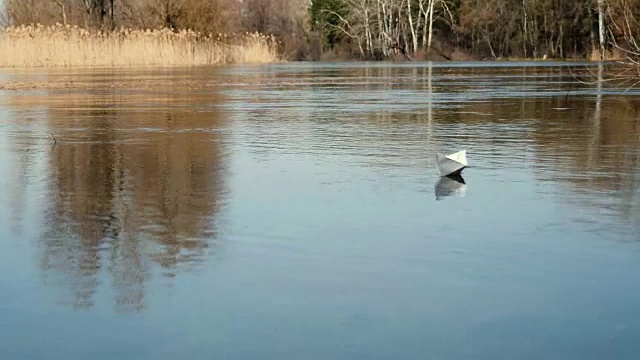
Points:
[(56, 46), (127, 206)]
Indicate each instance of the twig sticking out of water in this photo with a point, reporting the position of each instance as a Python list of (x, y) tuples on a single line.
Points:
[(54, 139)]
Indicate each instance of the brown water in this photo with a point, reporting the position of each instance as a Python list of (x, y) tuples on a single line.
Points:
[(295, 211)]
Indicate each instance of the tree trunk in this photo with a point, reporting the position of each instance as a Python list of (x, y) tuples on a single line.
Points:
[(601, 27), (112, 15), (524, 29), (414, 37), (431, 6), (63, 11), (367, 32)]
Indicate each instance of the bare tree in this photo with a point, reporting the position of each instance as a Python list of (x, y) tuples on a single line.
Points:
[(601, 27), (63, 10), (100, 13), (414, 37)]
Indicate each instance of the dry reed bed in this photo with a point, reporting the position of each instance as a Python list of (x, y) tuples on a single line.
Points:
[(65, 46)]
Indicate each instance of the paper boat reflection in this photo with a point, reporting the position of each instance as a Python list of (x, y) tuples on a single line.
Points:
[(450, 186), (451, 164)]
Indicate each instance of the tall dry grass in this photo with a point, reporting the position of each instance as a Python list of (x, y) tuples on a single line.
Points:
[(612, 54), (64, 46)]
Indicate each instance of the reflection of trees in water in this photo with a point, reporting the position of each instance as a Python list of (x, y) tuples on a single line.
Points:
[(402, 112), (125, 198), (588, 144), (594, 148), (23, 170), (585, 141)]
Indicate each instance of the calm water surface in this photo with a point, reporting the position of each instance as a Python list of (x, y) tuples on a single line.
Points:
[(294, 211)]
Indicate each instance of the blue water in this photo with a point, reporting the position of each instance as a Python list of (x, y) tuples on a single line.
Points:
[(294, 211)]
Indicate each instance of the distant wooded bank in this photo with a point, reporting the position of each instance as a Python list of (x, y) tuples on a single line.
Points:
[(369, 29)]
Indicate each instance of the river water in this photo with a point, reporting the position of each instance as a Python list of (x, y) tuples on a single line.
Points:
[(294, 211)]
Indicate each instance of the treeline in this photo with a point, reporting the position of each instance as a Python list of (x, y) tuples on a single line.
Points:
[(485, 29), (373, 29)]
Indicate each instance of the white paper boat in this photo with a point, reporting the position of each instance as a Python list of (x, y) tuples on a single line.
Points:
[(452, 164), (450, 186)]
